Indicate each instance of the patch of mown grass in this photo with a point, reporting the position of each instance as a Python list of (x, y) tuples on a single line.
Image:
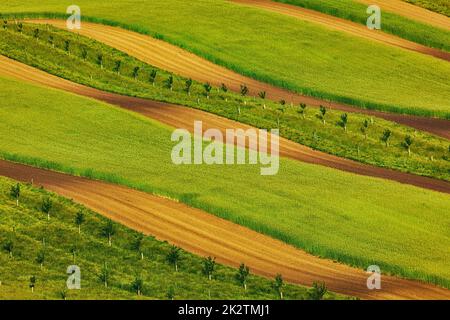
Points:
[(439, 6), (79, 62), (392, 23), (315, 61), (31, 233), (349, 218)]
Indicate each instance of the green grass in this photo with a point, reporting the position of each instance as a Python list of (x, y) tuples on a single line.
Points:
[(315, 61), (310, 131), (32, 233), (439, 6), (392, 23), (353, 219)]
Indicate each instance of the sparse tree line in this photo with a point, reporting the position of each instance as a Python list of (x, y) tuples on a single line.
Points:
[(107, 231)]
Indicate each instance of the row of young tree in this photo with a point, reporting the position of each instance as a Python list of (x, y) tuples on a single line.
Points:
[(173, 256)]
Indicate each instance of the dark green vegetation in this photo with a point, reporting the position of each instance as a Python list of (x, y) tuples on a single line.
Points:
[(316, 61), (439, 6), (392, 23), (36, 251), (312, 207), (352, 136)]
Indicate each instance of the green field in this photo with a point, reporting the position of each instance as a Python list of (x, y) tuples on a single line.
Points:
[(392, 23), (439, 6), (356, 220), (56, 237), (430, 155), (316, 61)]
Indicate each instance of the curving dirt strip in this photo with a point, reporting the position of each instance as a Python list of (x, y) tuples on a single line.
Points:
[(206, 235), (347, 26), (183, 117), (411, 11), (174, 59)]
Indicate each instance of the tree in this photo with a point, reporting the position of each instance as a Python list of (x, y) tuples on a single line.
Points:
[(20, 27), (5, 24), (169, 82), (224, 88), (100, 60), (117, 66), (209, 264), (152, 78), (344, 121), (174, 256), (135, 72), (32, 283), (46, 206), (188, 85), (137, 285), (208, 89), (302, 110), (407, 144), (40, 258), (79, 219), (67, 46), (84, 53), (36, 33), (278, 285), (323, 112), (137, 244), (387, 134), (262, 95), (244, 92), (108, 231), (171, 293), (8, 246), (365, 128), (15, 193), (317, 291), (104, 275), (242, 275)]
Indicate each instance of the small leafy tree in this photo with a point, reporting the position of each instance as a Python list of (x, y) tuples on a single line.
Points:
[(108, 231), (79, 219), (100, 60), (5, 24), (84, 53), (67, 46), (15, 193), (104, 275), (188, 85), (135, 72), (317, 291), (278, 285), (40, 258), (169, 83), (152, 77), (323, 112), (46, 206), (171, 293), (8, 246), (262, 95), (32, 283), (137, 285), (302, 110), (387, 134), (20, 27), (224, 88), (407, 144), (365, 128), (209, 265), (36, 33), (173, 256), (117, 66), (344, 121), (208, 89), (242, 275), (244, 90), (137, 244)]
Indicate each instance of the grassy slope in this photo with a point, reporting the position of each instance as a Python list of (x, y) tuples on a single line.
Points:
[(439, 6), (327, 212), (392, 23), (330, 137), (124, 262), (316, 61)]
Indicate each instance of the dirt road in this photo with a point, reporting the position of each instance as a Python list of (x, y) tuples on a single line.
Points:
[(206, 235), (347, 26), (183, 117), (174, 59)]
